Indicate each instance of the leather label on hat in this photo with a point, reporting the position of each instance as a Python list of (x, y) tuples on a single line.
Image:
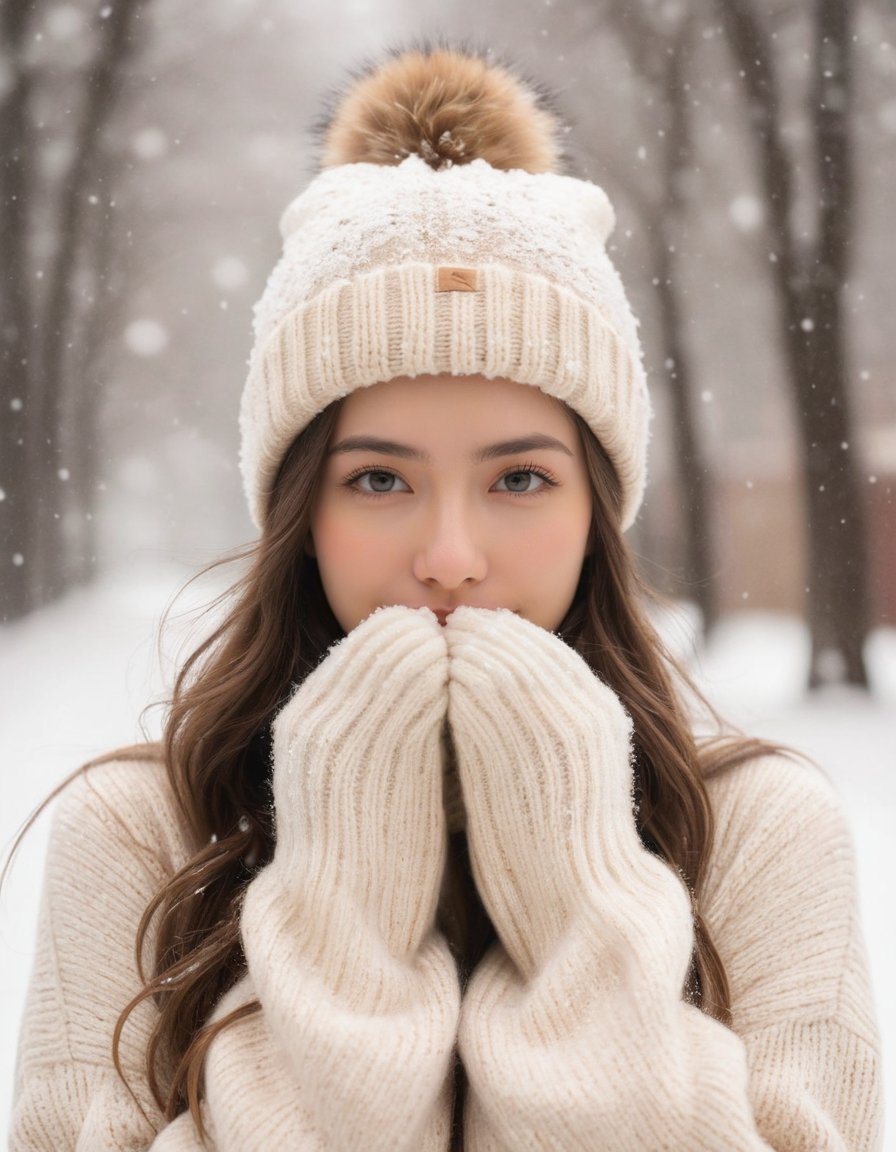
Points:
[(457, 280)]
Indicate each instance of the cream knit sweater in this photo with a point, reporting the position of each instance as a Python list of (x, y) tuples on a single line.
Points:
[(572, 1030)]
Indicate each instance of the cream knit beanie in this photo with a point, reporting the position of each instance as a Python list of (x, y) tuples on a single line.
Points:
[(438, 263)]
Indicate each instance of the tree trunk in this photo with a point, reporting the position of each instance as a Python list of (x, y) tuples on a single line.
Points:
[(18, 471), (692, 465), (808, 285), (838, 512), (102, 81), (657, 47), (694, 479), (103, 312)]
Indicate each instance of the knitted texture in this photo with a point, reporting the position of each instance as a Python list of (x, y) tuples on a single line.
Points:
[(360, 995), (338, 930), (356, 299), (572, 1030)]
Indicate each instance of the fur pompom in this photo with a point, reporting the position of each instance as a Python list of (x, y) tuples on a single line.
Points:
[(447, 105)]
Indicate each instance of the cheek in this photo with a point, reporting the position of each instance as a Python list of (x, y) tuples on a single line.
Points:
[(561, 539), (348, 545)]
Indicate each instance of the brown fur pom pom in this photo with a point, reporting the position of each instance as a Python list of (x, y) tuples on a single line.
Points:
[(447, 105)]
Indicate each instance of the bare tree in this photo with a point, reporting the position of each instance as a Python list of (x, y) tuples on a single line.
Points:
[(657, 43), (696, 481), (39, 331), (18, 472), (808, 279), (102, 84), (106, 291)]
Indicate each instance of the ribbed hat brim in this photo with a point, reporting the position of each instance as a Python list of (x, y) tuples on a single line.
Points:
[(392, 322)]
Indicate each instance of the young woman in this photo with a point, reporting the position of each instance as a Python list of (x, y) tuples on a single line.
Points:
[(430, 855)]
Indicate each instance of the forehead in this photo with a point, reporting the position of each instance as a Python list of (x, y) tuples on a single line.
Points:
[(462, 404)]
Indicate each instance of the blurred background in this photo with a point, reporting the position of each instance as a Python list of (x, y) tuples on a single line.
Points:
[(147, 149)]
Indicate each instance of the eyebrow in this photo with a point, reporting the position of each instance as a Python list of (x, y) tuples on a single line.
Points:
[(488, 452)]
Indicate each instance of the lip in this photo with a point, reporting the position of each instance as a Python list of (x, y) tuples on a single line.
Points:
[(442, 614)]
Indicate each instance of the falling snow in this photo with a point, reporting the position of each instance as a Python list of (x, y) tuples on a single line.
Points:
[(146, 337), (64, 21), (746, 213), (198, 257), (149, 143), (230, 272), (886, 117)]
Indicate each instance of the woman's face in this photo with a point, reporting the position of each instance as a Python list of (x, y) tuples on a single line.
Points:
[(450, 512)]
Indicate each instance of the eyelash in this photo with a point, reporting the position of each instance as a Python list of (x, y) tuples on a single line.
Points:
[(549, 478)]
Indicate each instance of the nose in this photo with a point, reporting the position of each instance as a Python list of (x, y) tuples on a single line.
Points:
[(450, 553)]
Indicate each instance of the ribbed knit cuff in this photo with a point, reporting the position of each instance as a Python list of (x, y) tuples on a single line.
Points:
[(393, 322)]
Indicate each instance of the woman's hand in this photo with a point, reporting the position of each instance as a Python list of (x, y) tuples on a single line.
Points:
[(587, 918), (358, 776), (359, 991), (543, 749)]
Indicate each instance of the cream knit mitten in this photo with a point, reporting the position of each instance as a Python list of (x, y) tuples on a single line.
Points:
[(573, 1031), (543, 750), (360, 994)]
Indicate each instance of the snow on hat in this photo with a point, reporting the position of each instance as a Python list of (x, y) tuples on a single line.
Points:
[(438, 263)]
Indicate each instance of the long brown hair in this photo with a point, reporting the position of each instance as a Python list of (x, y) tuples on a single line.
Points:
[(216, 750)]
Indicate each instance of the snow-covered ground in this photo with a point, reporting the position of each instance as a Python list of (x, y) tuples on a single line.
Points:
[(76, 676)]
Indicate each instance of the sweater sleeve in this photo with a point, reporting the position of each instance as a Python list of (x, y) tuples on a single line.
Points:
[(114, 840), (781, 901), (111, 846), (597, 1048)]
